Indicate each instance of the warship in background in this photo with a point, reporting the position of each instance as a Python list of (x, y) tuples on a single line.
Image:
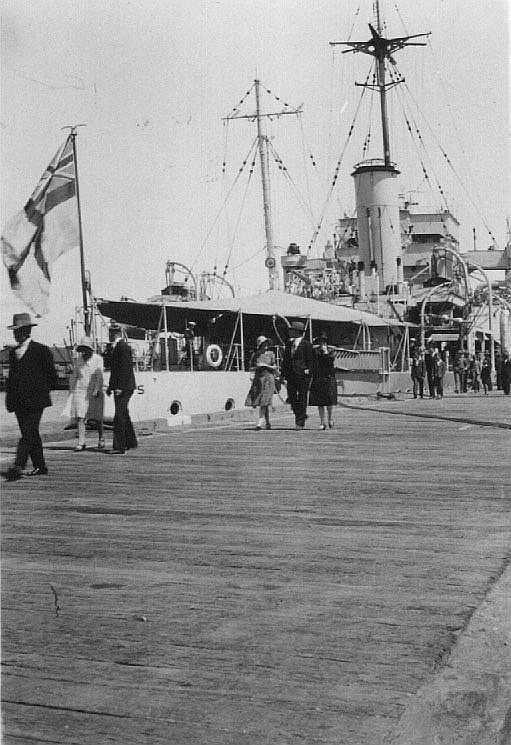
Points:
[(389, 279)]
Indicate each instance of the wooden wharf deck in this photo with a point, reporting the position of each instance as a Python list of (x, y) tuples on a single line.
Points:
[(221, 586)]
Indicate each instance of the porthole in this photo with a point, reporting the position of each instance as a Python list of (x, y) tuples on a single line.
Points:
[(175, 408), (229, 404)]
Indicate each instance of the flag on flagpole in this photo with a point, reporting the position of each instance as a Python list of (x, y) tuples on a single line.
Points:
[(45, 228)]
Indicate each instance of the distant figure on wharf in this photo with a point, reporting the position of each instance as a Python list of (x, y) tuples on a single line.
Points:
[(506, 373), (438, 374), (418, 373), (122, 384), (264, 369), (323, 392), (32, 376), (297, 367), (460, 372), (486, 375)]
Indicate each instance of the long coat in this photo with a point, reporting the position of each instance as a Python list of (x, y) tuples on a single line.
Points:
[(122, 376), (417, 368), (323, 390), (30, 379), (296, 360)]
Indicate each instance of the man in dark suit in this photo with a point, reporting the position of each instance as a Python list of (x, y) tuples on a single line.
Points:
[(429, 362), (122, 383), (297, 365), (32, 376)]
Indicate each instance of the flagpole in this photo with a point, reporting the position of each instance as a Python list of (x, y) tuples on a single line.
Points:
[(86, 314)]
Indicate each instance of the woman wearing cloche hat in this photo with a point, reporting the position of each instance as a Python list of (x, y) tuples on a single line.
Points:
[(262, 364), (86, 397)]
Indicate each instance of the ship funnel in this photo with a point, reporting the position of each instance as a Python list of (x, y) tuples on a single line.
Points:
[(378, 225)]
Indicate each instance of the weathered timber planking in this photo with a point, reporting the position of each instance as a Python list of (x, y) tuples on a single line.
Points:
[(297, 587)]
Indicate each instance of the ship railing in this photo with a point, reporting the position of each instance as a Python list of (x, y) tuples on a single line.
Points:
[(363, 360)]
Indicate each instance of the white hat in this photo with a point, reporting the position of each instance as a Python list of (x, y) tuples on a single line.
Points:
[(86, 341), (260, 340)]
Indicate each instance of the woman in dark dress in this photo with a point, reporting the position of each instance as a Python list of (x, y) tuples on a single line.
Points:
[(323, 392), (486, 375)]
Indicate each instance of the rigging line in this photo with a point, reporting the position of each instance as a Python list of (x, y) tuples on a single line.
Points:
[(243, 99), (328, 142), (205, 240), (283, 168), (354, 21), (368, 136), (451, 166), (226, 133), (416, 132), (443, 86), (423, 145), (339, 162), (277, 98), (401, 18), (238, 220), (224, 179), (250, 258), (307, 181)]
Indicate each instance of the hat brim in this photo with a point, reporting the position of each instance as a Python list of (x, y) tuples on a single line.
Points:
[(21, 326)]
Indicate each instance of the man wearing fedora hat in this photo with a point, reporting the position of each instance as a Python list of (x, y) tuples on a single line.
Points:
[(297, 364), (31, 378)]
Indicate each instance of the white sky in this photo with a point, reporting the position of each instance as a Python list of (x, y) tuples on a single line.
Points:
[(152, 80)]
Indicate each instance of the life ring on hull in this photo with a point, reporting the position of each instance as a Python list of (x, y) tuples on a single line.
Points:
[(214, 356)]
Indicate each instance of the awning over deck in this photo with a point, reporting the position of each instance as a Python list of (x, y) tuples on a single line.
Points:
[(273, 303)]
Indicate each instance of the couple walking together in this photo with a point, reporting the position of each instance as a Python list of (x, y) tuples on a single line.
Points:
[(308, 372), (86, 398), (32, 376)]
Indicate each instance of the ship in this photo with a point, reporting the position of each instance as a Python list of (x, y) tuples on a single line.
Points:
[(389, 280)]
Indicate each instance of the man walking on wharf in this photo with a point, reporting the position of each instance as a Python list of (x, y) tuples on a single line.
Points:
[(122, 383), (297, 365), (32, 376)]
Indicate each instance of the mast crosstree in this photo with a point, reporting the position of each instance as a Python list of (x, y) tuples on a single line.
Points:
[(263, 147), (381, 49)]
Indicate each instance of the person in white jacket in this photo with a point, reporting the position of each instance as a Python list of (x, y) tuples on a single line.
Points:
[(86, 391)]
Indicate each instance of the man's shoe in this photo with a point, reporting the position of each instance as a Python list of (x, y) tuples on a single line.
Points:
[(12, 474), (38, 472)]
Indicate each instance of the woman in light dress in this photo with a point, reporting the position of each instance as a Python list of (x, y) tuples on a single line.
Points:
[(262, 364), (86, 391)]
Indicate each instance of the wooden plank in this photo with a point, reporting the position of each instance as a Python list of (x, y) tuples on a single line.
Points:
[(227, 586)]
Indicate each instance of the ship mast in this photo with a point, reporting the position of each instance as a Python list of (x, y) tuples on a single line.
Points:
[(263, 146), (381, 49), (262, 143)]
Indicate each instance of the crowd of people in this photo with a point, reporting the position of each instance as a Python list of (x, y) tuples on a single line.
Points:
[(32, 376), (307, 369), (472, 372)]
